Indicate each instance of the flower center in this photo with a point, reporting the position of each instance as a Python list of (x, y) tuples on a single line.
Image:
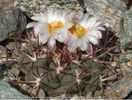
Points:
[(78, 30), (54, 25)]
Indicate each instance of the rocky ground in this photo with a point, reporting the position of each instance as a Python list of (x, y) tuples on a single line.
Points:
[(14, 16)]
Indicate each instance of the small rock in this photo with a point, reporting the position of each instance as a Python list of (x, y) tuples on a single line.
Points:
[(12, 21), (111, 12), (126, 36), (7, 92), (31, 7), (5, 4), (41, 94)]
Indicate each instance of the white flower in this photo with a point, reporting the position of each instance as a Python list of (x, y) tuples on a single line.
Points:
[(86, 31), (50, 26)]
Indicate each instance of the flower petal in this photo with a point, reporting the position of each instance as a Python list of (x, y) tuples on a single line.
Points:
[(43, 38), (89, 49), (72, 39), (84, 19), (92, 40), (52, 44), (42, 17), (73, 43), (98, 23), (50, 15), (41, 28), (101, 28), (91, 22), (62, 38), (60, 15), (32, 24), (83, 45), (72, 47), (64, 13), (96, 34), (63, 34)]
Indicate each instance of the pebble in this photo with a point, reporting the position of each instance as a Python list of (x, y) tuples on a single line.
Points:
[(12, 22)]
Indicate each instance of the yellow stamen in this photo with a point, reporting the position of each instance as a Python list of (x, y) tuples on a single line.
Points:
[(55, 25), (78, 30)]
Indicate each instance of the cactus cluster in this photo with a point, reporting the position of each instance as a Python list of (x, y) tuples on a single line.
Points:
[(61, 72)]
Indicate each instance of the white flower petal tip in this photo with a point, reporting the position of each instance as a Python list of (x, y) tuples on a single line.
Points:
[(32, 24), (87, 30), (52, 44), (90, 48), (93, 40)]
